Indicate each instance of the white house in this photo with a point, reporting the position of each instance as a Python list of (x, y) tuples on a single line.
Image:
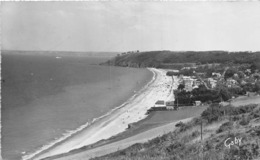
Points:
[(160, 103), (197, 103), (212, 82), (218, 75)]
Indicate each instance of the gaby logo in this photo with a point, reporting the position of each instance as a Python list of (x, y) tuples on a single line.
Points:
[(229, 142)]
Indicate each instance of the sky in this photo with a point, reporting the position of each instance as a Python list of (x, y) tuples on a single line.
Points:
[(126, 26)]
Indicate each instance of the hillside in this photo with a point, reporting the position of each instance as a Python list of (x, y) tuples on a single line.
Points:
[(60, 53), (165, 59), (221, 126)]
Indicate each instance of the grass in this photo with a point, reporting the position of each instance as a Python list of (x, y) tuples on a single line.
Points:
[(185, 144)]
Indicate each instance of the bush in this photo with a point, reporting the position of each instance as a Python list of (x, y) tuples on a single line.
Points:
[(212, 113), (195, 133), (257, 130), (255, 113), (184, 127), (244, 152), (225, 126), (179, 124), (244, 121)]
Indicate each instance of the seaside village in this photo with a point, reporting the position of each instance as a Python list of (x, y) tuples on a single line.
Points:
[(226, 86), (188, 83)]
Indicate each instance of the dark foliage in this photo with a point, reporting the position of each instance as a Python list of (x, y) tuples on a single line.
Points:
[(225, 126), (212, 113), (215, 111), (158, 58)]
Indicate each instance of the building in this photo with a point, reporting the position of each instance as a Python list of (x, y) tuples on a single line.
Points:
[(197, 82), (197, 103), (231, 82), (160, 103), (170, 107), (212, 82), (170, 103), (188, 83), (218, 75)]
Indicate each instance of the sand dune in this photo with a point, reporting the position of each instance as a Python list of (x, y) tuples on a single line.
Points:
[(118, 121)]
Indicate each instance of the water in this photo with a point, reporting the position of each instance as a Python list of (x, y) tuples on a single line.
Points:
[(45, 97)]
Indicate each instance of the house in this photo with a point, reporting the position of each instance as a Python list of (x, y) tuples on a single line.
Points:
[(200, 73), (170, 103), (197, 82), (159, 103), (212, 82), (188, 83), (243, 82), (186, 68), (170, 107), (231, 82), (197, 103), (188, 88), (174, 70), (218, 75)]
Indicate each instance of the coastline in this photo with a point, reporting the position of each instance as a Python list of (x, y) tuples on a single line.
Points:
[(70, 141), (118, 119), (68, 93)]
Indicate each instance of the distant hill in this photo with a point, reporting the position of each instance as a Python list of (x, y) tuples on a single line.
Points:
[(62, 53), (160, 59)]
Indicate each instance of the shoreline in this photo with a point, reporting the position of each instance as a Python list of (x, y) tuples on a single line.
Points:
[(100, 121), (118, 119)]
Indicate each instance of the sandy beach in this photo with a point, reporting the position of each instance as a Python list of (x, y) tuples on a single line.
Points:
[(122, 144), (117, 121)]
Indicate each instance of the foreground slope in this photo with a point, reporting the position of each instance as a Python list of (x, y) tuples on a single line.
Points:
[(220, 123)]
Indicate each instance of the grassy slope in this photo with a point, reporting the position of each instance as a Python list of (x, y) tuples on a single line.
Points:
[(153, 121), (184, 143)]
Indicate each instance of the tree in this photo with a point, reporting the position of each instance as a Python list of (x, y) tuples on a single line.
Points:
[(181, 87), (229, 73), (212, 113), (257, 86), (225, 94), (256, 76)]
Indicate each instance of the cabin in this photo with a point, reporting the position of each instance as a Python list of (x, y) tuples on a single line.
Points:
[(197, 103), (159, 103), (170, 103), (170, 107)]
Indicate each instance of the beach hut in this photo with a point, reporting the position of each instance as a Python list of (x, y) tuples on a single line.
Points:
[(170, 107), (197, 103), (170, 103), (159, 103)]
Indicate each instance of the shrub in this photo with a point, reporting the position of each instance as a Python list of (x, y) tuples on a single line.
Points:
[(179, 124), (195, 133), (225, 126), (255, 113), (257, 130), (244, 121), (244, 152), (212, 113)]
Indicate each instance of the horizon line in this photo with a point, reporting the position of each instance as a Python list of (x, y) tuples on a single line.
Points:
[(131, 51)]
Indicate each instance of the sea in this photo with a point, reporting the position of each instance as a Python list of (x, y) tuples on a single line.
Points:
[(46, 97)]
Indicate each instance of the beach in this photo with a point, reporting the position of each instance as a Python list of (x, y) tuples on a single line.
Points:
[(120, 145), (46, 100), (118, 119)]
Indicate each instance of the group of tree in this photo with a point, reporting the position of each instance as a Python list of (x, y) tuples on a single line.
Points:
[(220, 93), (156, 58), (186, 98)]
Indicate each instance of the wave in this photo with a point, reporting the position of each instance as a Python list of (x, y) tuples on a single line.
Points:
[(70, 133)]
